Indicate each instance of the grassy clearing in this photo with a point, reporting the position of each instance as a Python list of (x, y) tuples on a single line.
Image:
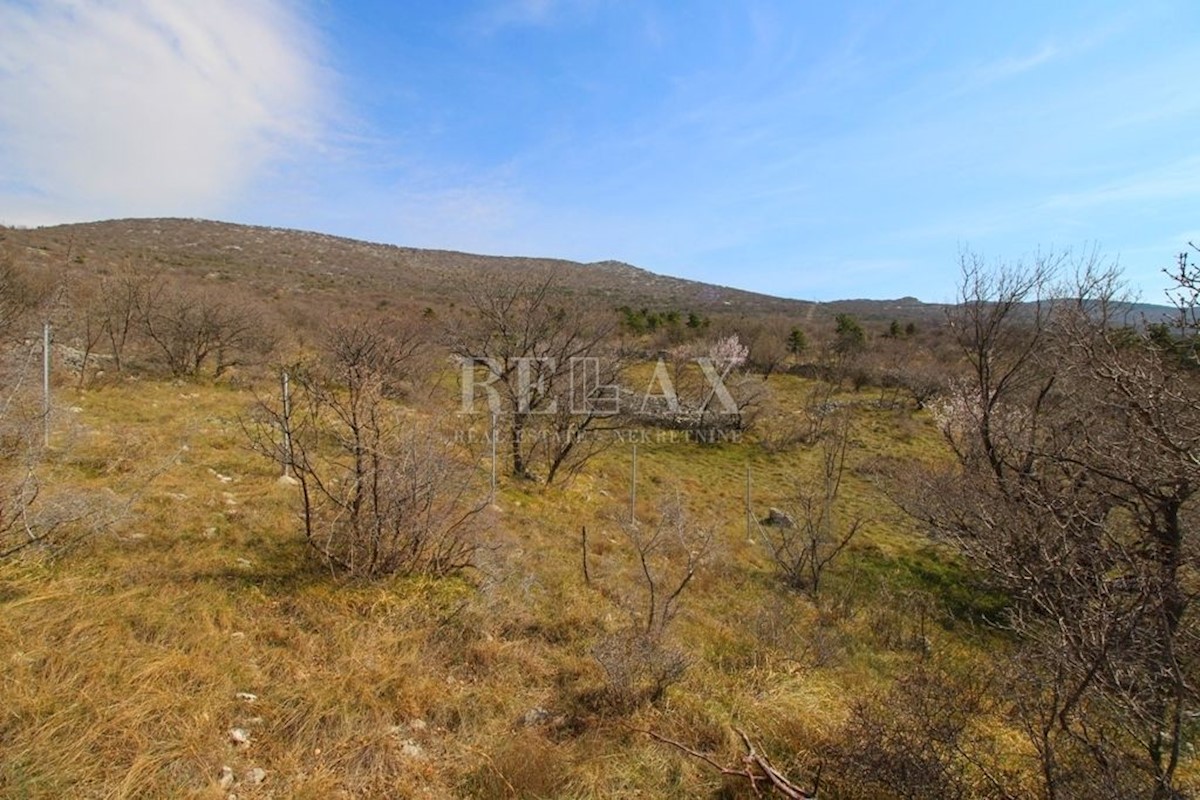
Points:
[(123, 663)]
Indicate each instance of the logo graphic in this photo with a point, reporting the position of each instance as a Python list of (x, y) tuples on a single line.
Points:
[(529, 387)]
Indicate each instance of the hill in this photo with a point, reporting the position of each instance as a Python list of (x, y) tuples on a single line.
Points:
[(301, 262), (279, 261)]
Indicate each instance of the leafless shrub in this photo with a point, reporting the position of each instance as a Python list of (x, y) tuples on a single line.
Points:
[(21, 420), (19, 490), (103, 313), (380, 496), (20, 295), (821, 409), (639, 661), (88, 334), (768, 342), (802, 639), (198, 331), (807, 544), (669, 553), (922, 740), (1185, 292), (638, 667), (120, 297), (777, 623), (1035, 693), (783, 431), (36, 515), (54, 520), (903, 620), (923, 380)]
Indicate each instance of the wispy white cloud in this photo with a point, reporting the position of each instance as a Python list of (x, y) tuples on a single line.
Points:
[(1049, 54), (1170, 182), (1012, 66), (149, 106)]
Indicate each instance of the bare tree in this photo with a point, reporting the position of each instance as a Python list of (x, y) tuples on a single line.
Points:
[(922, 378), (1078, 459), (547, 366), (91, 332), (82, 316), (769, 339), (703, 386), (808, 540), (124, 297), (1185, 295), (193, 331), (379, 495), (1000, 324), (669, 553)]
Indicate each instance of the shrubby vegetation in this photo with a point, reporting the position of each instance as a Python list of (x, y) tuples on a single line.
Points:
[(1076, 467), (380, 495), (944, 558), (37, 515)]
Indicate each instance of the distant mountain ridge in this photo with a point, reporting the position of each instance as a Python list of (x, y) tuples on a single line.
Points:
[(279, 258)]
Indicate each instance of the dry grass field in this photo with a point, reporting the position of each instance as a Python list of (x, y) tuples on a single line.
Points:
[(133, 664), (190, 643)]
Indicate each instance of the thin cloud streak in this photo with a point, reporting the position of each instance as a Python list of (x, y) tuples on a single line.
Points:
[(1171, 182)]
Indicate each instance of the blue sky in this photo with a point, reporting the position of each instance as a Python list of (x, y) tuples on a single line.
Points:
[(812, 150)]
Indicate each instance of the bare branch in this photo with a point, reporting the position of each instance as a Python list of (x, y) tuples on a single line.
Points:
[(756, 769)]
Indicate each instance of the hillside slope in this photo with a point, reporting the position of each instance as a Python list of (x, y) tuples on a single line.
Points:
[(274, 257)]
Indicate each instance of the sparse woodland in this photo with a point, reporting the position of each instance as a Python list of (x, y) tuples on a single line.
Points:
[(261, 542)]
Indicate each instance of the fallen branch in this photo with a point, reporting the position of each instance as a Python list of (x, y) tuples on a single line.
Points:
[(756, 768)]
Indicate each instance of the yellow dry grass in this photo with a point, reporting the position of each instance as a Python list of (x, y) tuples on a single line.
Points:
[(124, 663)]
